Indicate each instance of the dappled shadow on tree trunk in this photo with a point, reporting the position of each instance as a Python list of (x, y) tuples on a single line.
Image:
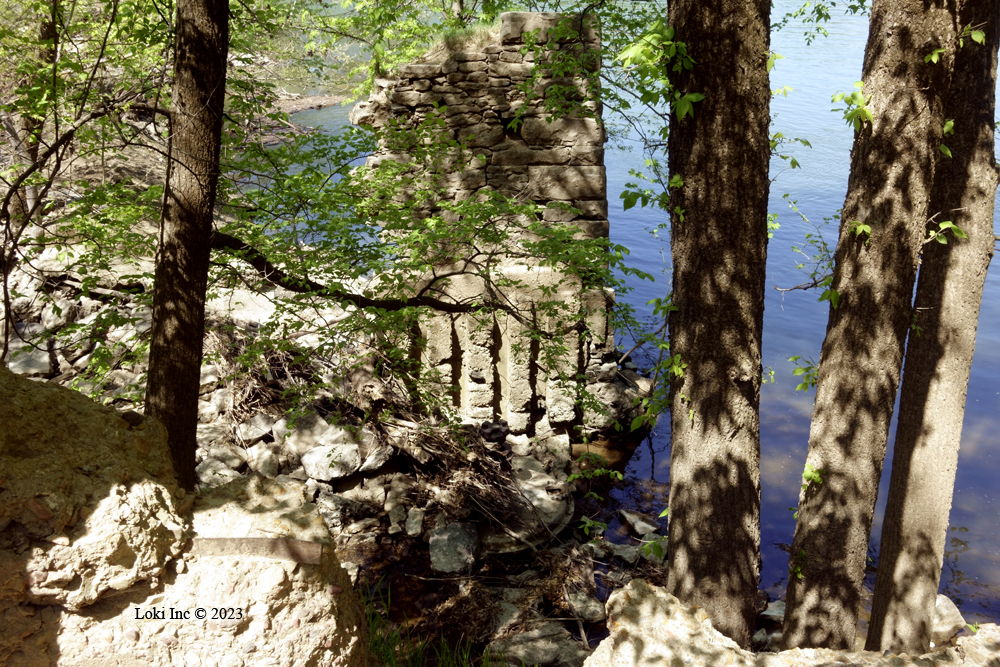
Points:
[(881, 235), (186, 227), (719, 250), (939, 353)]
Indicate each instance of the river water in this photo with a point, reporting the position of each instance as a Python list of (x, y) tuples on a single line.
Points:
[(795, 322)]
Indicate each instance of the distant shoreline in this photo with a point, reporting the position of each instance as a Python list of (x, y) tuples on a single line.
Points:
[(307, 102)]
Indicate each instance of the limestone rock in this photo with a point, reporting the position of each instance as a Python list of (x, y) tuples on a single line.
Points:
[(207, 412), (775, 612), (222, 399), (255, 428), (28, 351), (335, 509), (628, 553), (649, 626), (209, 379), (454, 547), (309, 431), (546, 509), (91, 495), (947, 620), (375, 454), (58, 314), (414, 522), (262, 460), (213, 472), (399, 487), (586, 606), (638, 524), (546, 644), (327, 462), (209, 433), (232, 456)]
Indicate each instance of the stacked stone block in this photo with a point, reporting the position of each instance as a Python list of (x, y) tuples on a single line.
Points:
[(536, 157)]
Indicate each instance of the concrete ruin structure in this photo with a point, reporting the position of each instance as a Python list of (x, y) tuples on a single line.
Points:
[(531, 155)]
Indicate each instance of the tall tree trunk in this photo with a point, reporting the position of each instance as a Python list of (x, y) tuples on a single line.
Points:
[(939, 353), (892, 169), (719, 248), (186, 227)]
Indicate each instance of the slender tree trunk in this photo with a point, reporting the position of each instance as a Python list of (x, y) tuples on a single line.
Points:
[(186, 227), (719, 248), (939, 353), (892, 170), (24, 134)]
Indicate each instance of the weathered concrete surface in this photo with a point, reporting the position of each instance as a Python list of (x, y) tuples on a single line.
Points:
[(274, 611), (88, 503)]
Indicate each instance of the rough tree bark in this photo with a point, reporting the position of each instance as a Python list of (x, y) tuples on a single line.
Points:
[(939, 357), (892, 170), (185, 240), (719, 248)]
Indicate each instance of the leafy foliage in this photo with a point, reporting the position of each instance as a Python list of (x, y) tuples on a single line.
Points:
[(807, 369), (855, 111)]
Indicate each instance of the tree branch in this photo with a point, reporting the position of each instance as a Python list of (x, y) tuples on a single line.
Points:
[(276, 276)]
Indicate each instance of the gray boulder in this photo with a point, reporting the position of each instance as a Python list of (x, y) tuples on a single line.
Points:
[(262, 460), (546, 644), (254, 429), (213, 472), (328, 462), (454, 547), (947, 621), (639, 524), (310, 430)]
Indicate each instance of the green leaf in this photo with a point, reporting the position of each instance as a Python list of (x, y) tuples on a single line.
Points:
[(638, 421), (949, 127), (630, 199), (945, 150), (664, 513), (934, 56), (831, 295), (978, 36)]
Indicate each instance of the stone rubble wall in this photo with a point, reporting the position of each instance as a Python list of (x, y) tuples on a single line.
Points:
[(544, 160)]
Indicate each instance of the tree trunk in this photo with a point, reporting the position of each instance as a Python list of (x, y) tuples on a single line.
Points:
[(939, 353), (186, 227), (24, 134), (892, 169), (719, 248)]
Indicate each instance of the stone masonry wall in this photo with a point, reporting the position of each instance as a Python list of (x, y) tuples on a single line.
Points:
[(542, 160)]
